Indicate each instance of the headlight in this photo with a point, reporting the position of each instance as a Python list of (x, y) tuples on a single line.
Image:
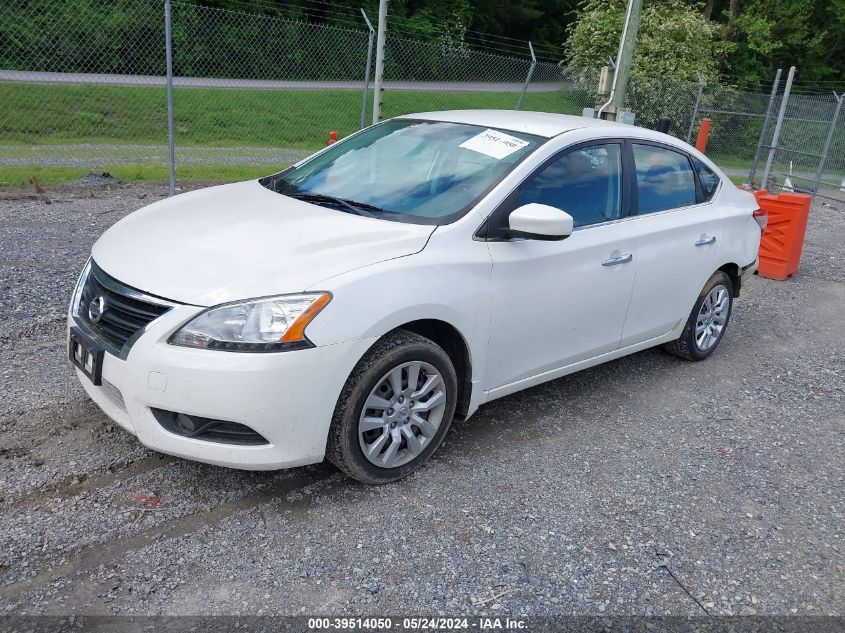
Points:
[(271, 324)]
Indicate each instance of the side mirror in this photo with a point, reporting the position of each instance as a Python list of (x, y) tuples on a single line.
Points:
[(540, 222)]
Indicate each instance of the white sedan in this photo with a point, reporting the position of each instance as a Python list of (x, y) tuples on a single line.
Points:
[(351, 306)]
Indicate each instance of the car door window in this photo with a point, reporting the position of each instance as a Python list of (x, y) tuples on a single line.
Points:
[(664, 179), (586, 183), (708, 180)]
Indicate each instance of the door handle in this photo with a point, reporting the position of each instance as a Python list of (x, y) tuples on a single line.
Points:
[(706, 241), (618, 259)]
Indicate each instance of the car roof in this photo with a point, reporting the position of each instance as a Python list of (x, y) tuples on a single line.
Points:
[(550, 124), (545, 124)]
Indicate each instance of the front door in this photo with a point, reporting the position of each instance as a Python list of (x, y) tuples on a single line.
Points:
[(556, 303)]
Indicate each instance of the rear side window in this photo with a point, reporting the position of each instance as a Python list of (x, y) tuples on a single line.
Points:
[(664, 179), (586, 183), (709, 181)]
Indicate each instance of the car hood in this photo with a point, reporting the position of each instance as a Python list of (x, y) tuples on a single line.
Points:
[(242, 240)]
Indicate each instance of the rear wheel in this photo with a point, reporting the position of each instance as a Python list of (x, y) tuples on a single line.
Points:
[(394, 410), (708, 320)]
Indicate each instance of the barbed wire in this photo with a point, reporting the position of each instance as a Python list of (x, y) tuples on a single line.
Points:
[(335, 13)]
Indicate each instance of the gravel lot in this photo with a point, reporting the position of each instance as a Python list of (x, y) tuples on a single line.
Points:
[(645, 486)]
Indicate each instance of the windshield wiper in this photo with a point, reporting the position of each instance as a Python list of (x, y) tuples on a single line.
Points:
[(358, 208)]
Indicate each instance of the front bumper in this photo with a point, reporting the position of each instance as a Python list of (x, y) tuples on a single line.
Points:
[(287, 397)]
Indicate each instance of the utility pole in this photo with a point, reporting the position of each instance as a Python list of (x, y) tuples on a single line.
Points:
[(382, 31), (624, 60)]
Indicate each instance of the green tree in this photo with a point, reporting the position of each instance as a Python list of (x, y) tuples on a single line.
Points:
[(675, 41), (544, 22), (676, 46), (762, 35), (834, 45)]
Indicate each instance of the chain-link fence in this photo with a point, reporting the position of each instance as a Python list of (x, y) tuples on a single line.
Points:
[(456, 77), (806, 152), (83, 87), (262, 90), (53, 113), (737, 116)]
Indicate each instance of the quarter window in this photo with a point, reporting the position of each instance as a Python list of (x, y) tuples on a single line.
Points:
[(586, 183), (709, 181), (664, 179)]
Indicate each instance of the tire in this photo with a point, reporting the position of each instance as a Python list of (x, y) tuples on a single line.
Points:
[(362, 416), (689, 345)]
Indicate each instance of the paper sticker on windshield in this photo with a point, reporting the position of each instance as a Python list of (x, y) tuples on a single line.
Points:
[(494, 144)]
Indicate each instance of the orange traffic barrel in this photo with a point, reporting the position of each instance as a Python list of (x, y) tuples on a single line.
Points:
[(783, 238)]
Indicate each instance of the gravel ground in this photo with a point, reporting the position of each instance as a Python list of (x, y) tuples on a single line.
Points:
[(645, 486)]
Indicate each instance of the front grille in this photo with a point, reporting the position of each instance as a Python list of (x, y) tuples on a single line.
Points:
[(125, 311), (208, 429)]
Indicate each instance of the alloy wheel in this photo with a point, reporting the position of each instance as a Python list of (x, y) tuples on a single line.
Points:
[(402, 414), (712, 317)]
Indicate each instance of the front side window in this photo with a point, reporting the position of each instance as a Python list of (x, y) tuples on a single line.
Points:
[(664, 179), (426, 172), (709, 181), (586, 183)]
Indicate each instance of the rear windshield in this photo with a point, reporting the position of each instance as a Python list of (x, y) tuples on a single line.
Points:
[(426, 172)]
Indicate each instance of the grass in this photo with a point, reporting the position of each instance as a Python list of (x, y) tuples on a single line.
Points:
[(65, 114), (36, 118), (727, 162)]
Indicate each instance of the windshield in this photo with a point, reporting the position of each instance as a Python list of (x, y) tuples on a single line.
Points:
[(427, 172)]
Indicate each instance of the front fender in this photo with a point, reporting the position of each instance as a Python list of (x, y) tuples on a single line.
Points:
[(447, 284)]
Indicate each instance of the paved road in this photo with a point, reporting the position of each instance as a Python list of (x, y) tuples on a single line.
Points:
[(647, 485), (212, 82)]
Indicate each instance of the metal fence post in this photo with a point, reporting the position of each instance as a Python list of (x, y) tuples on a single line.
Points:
[(826, 149), (695, 109), (528, 77), (765, 128), (367, 71), (171, 172), (379, 79), (776, 134)]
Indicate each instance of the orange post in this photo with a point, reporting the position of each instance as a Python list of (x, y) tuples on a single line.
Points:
[(332, 138), (703, 135), (780, 246)]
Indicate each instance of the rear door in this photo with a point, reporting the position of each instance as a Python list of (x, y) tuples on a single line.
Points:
[(678, 236)]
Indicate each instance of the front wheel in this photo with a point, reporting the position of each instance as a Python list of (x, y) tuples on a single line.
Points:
[(394, 410), (708, 320)]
